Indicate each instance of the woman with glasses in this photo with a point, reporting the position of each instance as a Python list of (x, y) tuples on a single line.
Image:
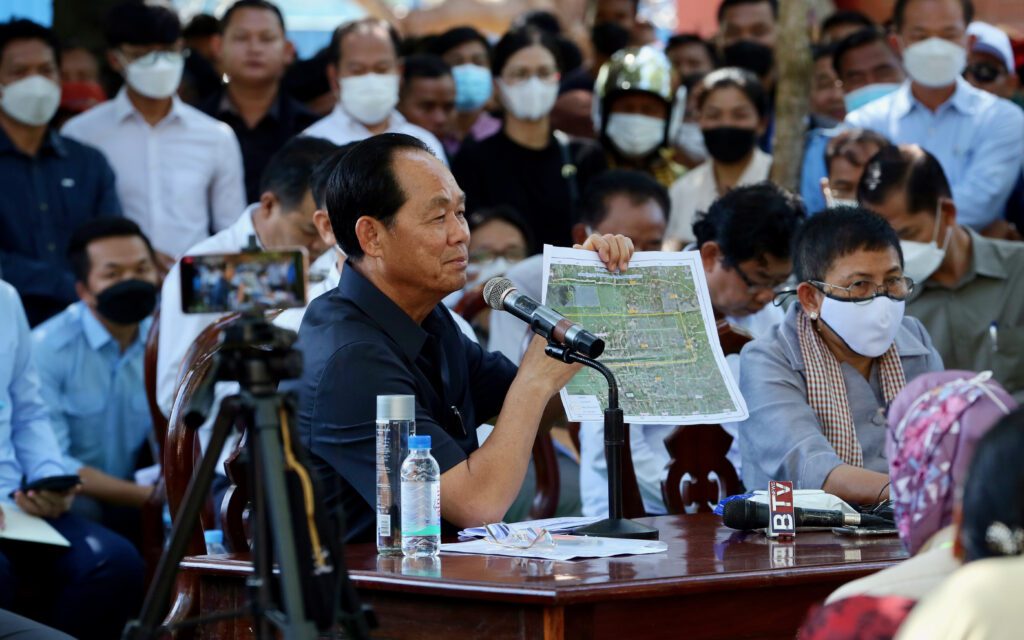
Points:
[(819, 385), (527, 165)]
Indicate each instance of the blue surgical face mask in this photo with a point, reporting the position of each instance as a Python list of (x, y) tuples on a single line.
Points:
[(867, 94), (473, 86)]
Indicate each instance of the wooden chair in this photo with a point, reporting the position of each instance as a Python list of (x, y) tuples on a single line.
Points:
[(152, 513), (149, 376), (699, 475), (545, 460)]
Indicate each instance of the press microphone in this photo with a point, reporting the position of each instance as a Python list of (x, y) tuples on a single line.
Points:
[(749, 514), (502, 295)]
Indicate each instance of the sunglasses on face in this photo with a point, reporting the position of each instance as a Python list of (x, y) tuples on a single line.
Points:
[(984, 72)]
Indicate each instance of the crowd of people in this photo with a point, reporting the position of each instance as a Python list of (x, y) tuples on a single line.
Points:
[(884, 294)]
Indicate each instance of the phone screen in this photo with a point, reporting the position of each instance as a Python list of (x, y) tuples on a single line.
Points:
[(240, 282)]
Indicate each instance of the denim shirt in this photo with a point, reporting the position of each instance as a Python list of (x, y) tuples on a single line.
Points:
[(782, 439), (27, 445), (96, 394)]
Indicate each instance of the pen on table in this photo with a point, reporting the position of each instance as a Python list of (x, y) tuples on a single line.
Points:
[(993, 335)]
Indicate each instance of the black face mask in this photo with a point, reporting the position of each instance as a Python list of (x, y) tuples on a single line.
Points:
[(609, 37), (729, 144), (752, 56), (127, 302)]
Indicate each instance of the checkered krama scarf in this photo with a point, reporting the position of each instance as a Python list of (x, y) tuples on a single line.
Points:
[(826, 389)]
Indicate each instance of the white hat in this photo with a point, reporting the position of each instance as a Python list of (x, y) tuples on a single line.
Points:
[(993, 41)]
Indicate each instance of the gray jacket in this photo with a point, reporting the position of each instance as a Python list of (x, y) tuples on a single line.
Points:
[(782, 439)]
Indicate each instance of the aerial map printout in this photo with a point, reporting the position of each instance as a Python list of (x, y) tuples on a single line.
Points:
[(660, 337)]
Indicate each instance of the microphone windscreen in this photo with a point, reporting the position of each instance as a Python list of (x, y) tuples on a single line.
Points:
[(495, 290), (743, 514)]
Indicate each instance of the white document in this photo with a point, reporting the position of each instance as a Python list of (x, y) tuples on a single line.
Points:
[(553, 525), (565, 548), (19, 525), (660, 338)]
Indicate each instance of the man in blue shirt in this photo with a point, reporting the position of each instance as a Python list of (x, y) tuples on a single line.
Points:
[(399, 216), (50, 184), (90, 362), (90, 588), (976, 137)]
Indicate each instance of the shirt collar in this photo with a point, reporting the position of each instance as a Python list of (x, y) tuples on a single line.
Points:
[(985, 259), (961, 100), (393, 320), (97, 336), (225, 105), (395, 119), (123, 108), (52, 144)]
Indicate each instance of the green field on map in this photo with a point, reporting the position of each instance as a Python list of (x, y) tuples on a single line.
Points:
[(655, 339)]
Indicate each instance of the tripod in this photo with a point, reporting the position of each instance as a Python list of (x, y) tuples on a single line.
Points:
[(314, 591)]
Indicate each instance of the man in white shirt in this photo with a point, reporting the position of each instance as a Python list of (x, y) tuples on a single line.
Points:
[(977, 137), (179, 172), (282, 218), (365, 73)]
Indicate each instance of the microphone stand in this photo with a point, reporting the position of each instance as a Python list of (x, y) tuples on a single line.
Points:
[(615, 526)]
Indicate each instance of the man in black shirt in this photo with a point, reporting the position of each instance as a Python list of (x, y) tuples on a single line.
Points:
[(254, 55), (399, 216)]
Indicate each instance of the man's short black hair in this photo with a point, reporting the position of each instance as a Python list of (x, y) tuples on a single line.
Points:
[(423, 65), (99, 229), (683, 39), (844, 17), (543, 20), (141, 24), (900, 9), (202, 25), (306, 80), (290, 169), (505, 213), (637, 185), (729, 4), (738, 78), (752, 221), (322, 173), (364, 183), (518, 39), (456, 37), (838, 232), (21, 29), (906, 168), (359, 25), (262, 5), (856, 40), (819, 51)]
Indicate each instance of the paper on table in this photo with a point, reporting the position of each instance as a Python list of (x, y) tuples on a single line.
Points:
[(660, 336), (19, 525), (566, 548), (553, 525)]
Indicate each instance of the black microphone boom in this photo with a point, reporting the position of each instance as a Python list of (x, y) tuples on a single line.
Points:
[(748, 514), (502, 295)]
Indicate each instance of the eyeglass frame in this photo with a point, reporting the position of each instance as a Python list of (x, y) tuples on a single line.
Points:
[(819, 285), (754, 288), (543, 539)]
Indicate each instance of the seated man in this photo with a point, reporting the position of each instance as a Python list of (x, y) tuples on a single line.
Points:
[(90, 363), (817, 386), (970, 289), (89, 589), (398, 215)]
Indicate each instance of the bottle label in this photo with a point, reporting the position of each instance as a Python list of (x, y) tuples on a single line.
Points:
[(383, 525), (421, 509)]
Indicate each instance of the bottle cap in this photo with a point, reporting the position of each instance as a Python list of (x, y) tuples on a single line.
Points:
[(396, 408), (419, 442)]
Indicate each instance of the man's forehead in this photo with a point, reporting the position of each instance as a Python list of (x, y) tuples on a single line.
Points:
[(26, 50), (748, 13)]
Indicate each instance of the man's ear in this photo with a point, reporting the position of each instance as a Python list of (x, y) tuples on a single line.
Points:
[(369, 232), (896, 44), (268, 201), (289, 52), (810, 299), (709, 254), (332, 79), (948, 209), (323, 225), (84, 294), (114, 61)]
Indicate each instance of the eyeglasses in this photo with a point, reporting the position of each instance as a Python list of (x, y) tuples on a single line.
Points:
[(863, 291), (754, 288), (522, 74), (503, 535), (984, 71)]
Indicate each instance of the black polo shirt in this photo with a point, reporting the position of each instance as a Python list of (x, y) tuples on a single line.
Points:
[(358, 344), (285, 118)]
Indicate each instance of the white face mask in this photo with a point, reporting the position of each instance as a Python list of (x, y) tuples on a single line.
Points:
[(690, 139), (635, 135), (934, 62), (868, 328), (921, 259), (483, 271), (529, 100), (32, 100), (155, 75), (371, 97)]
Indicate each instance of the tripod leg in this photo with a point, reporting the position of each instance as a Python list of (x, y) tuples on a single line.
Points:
[(155, 605)]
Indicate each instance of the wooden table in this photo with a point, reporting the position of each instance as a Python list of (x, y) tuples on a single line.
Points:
[(712, 582)]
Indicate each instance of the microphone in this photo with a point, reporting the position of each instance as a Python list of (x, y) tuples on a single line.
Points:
[(748, 514), (501, 294)]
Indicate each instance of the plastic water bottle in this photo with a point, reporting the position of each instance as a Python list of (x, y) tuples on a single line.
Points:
[(421, 501), (214, 542)]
